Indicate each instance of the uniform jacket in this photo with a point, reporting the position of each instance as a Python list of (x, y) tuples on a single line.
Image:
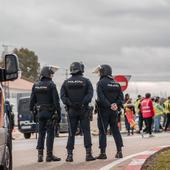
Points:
[(76, 90), (108, 92), (44, 92)]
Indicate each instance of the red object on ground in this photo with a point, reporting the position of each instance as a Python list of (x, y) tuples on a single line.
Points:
[(122, 80)]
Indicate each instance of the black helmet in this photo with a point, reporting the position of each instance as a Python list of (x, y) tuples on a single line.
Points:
[(46, 72), (148, 95), (82, 67), (76, 68), (105, 70)]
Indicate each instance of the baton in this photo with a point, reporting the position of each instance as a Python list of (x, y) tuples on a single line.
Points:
[(68, 120), (98, 110)]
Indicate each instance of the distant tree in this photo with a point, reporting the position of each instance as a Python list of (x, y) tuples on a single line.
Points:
[(28, 62)]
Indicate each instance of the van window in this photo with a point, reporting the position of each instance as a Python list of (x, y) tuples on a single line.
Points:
[(23, 107)]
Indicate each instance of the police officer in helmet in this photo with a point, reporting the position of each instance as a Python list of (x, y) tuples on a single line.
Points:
[(76, 94), (109, 101), (45, 100)]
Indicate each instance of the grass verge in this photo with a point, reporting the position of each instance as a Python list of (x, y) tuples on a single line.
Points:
[(159, 161)]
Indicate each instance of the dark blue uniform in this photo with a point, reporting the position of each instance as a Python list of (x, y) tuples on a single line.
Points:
[(76, 94), (45, 97), (108, 92)]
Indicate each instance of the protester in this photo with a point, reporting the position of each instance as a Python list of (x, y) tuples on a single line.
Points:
[(167, 111), (129, 115), (158, 112), (148, 112)]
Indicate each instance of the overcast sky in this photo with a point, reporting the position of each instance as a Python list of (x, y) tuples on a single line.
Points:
[(133, 36)]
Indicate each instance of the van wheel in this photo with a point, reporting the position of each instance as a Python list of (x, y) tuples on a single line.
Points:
[(7, 162), (27, 135)]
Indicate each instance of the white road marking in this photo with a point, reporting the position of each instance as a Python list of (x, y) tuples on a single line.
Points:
[(150, 152), (111, 165), (137, 162)]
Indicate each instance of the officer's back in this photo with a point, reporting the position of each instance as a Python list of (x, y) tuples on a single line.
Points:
[(111, 90), (77, 90), (76, 87), (43, 88)]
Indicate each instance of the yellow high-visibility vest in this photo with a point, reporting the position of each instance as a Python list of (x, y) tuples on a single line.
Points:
[(158, 109), (166, 107)]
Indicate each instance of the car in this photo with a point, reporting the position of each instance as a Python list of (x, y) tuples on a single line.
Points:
[(26, 124), (62, 127), (10, 72), (63, 123)]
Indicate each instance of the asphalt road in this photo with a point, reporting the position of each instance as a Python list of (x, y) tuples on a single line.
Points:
[(25, 154)]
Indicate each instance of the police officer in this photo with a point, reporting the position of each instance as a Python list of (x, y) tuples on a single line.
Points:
[(45, 99), (76, 94), (109, 101)]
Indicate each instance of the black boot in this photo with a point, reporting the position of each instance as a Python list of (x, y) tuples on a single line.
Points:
[(89, 156), (40, 155), (132, 132), (119, 154), (50, 157), (102, 154), (69, 156)]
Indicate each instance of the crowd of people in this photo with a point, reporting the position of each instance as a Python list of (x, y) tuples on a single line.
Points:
[(146, 114)]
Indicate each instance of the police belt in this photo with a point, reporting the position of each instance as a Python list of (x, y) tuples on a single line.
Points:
[(45, 107)]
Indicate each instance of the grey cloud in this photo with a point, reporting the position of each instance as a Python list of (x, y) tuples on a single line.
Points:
[(132, 35)]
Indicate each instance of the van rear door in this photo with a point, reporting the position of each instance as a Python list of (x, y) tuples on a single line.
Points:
[(2, 142)]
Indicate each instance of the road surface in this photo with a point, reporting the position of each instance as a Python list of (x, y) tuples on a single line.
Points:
[(25, 154)]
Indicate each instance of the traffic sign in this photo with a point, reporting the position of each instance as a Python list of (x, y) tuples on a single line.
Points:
[(122, 80)]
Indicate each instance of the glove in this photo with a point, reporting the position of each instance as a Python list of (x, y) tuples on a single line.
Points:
[(59, 118), (34, 115), (91, 108), (114, 107), (56, 118)]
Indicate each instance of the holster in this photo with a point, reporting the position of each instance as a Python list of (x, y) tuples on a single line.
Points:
[(52, 121), (91, 108), (35, 118), (66, 108), (87, 111), (97, 108)]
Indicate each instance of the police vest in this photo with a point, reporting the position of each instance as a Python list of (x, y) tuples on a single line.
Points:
[(137, 103), (43, 93), (76, 90), (112, 91)]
